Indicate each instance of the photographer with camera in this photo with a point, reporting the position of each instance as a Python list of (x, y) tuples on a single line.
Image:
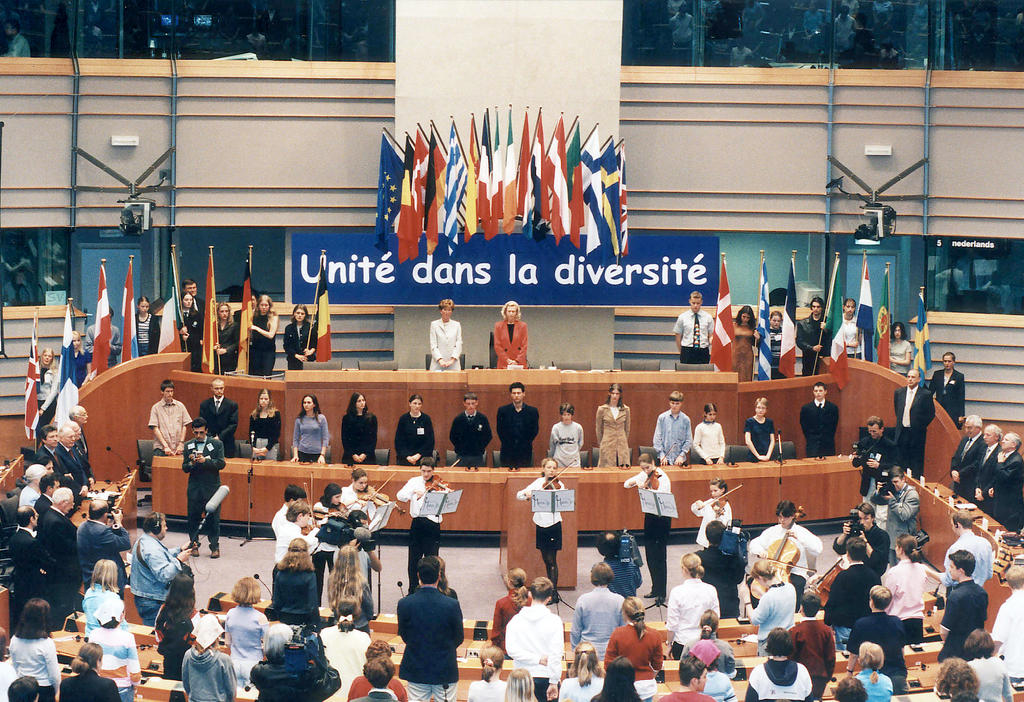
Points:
[(862, 523), (904, 504), (203, 460), (103, 536), (875, 455), (621, 554), (723, 571)]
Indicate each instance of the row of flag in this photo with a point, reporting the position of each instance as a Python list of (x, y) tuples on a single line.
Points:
[(562, 186), (66, 395), (869, 325)]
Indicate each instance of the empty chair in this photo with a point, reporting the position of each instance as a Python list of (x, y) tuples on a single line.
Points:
[(738, 454), (640, 364), (378, 365), (648, 449), (383, 456), (333, 364), (705, 367), (573, 365), (145, 449), (243, 449)]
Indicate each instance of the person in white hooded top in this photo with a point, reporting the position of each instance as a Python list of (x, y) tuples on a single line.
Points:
[(534, 640)]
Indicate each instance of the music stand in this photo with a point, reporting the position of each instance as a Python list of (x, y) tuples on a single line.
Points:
[(437, 503), (552, 501), (381, 517), (660, 504)]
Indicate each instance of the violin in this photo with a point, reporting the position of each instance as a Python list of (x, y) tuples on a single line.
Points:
[(653, 481), (436, 484), (553, 483), (718, 504)]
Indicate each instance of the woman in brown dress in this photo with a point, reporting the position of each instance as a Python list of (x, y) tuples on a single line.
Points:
[(613, 430), (743, 344)]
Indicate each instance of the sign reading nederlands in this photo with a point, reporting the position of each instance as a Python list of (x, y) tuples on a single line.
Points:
[(659, 270)]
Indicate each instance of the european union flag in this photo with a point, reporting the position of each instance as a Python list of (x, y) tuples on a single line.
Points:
[(389, 189)]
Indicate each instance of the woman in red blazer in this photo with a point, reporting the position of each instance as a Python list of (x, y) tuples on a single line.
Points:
[(510, 336)]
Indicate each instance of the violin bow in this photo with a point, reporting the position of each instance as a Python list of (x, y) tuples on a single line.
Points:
[(553, 478)]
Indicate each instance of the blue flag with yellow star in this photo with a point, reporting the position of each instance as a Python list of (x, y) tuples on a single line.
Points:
[(389, 189)]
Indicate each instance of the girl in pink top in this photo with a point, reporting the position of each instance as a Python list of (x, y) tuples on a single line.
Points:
[(907, 580)]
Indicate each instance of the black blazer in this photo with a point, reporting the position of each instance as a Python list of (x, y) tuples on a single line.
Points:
[(808, 333), (819, 427), (986, 473), (517, 430), (59, 537), (1008, 481), (221, 424), (922, 412), (951, 395), (430, 624), (71, 466), (203, 478), (359, 435), (153, 325), (295, 340), (88, 687), (228, 340), (29, 559), (968, 466)]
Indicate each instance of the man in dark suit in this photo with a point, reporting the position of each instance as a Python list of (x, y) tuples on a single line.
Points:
[(31, 562), (76, 476), (819, 420), (813, 339), (47, 484), (518, 424), (202, 459), (221, 415), (984, 492), (948, 387), (470, 433), (79, 416), (46, 455), (915, 410), (875, 455), (430, 624), (966, 460), (60, 539)]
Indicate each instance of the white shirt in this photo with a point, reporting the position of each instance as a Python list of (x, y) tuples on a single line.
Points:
[(352, 500), (810, 545), (684, 328), (1009, 631), (709, 441), (707, 515), (541, 519), (280, 517), (911, 393), (28, 496), (288, 531), (850, 335), (408, 494), (686, 604), (445, 342), (535, 633), (638, 480)]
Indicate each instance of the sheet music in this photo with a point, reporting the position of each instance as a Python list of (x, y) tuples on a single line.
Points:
[(437, 503), (553, 501), (381, 517), (662, 504)]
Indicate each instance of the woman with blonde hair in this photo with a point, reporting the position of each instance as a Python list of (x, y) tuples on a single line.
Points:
[(348, 581), (102, 587), (688, 602), (263, 338), (519, 687), (295, 599), (445, 339), (613, 430), (639, 643), (245, 627), (586, 675), (265, 427), (511, 337), (759, 432), (227, 340), (490, 687), (877, 684), (509, 605)]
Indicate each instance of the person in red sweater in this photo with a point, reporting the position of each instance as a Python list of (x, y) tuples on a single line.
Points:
[(814, 645), (509, 605), (361, 686), (692, 676), (642, 646)]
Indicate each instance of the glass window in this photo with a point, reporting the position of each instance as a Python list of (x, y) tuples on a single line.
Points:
[(35, 262), (975, 275)]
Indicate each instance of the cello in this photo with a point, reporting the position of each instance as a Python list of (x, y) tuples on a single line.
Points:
[(783, 554)]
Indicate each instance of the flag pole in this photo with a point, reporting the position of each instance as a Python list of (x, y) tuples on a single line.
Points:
[(316, 295), (216, 325), (828, 308), (589, 134), (861, 339)]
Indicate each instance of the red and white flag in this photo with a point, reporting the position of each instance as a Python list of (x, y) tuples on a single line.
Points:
[(130, 349), (523, 181), (560, 217), (101, 338), (32, 382), (721, 340)]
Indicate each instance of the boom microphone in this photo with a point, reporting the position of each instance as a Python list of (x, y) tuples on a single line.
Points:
[(214, 503), (256, 576)]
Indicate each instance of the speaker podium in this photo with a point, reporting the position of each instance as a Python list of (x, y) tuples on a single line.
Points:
[(518, 533)]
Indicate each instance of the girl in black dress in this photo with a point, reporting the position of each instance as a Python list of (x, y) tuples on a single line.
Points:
[(263, 344), (265, 427), (414, 435), (227, 340), (191, 331), (299, 344), (359, 432)]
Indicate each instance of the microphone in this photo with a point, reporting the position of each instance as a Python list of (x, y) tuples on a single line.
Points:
[(214, 503), (252, 438), (256, 576), (400, 589), (121, 458)]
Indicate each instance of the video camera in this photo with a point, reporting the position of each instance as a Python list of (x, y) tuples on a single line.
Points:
[(856, 528), (339, 531)]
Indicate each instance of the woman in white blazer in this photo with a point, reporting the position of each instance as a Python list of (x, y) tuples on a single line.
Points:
[(445, 340)]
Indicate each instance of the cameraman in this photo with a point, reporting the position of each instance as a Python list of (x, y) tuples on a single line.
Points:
[(862, 523), (722, 571), (103, 536), (362, 537), (627, 573), (904, 504), (875, 455)]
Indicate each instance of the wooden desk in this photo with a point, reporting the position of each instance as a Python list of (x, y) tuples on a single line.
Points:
[(825, 487)]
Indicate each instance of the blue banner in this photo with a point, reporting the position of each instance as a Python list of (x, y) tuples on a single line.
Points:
[(659, 271)]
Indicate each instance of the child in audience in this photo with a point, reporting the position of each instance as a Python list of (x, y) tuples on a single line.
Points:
[(490, 688), (206, 673), (586, 675), (708, 438), (878, 685), (566, 440), (245, 628), (814, 644)]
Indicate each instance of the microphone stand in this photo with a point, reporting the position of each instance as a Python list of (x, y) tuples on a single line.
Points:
[(249, 503)]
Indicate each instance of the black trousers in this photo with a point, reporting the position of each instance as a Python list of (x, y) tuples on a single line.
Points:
[(197, 500), (63, 598), (656, 546), (322, 560), (540, 689), (261, 363), (911, 451), (689, 354), (424, 540)]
